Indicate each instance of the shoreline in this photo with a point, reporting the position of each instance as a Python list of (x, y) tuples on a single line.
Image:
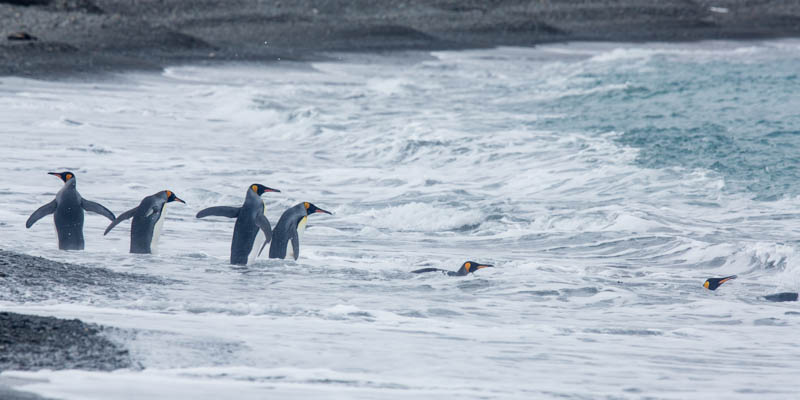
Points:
[(33, 342), (87, 38)]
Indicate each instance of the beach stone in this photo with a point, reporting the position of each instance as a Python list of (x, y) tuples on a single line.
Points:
[(29, 342)]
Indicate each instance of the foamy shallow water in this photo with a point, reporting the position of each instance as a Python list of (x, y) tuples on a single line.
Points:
[(601, 238)]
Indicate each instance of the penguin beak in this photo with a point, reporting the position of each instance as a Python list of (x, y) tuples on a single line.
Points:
[(177, 199), (272, 190), (59, 176), (727, 279), (485, 266), (319, 210)]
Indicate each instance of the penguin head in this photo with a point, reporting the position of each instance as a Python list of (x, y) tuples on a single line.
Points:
[(311, 209), (714, 283), (65, 176), (171, 197), (472, 266), (261, 189)]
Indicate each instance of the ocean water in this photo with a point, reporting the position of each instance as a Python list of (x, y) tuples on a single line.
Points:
[(606, 182)]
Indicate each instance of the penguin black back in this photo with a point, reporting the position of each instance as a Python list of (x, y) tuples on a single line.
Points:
[(148, 218), (785, 296), (714, 283), (250, 220)]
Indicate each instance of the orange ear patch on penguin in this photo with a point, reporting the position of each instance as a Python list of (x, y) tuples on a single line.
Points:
[(467, 265), (307, 204)]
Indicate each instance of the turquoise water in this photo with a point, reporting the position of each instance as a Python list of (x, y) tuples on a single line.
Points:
[(735, 114)]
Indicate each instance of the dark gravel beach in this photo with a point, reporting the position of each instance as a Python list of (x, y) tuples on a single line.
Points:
[(30, 342), (57, 37), (26, 278)]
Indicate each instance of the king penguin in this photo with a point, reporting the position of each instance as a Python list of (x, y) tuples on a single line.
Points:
[(290, 228), (466, 269), (148, 218), (67, 209), (250, 218), (714, 283)]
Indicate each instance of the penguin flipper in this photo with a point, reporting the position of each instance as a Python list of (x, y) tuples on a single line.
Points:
[(262, 248), (219, 211), (44, 210), (154, 210), (97, 208), (122, 217), (263, 224), (295, 245), (423, 270)]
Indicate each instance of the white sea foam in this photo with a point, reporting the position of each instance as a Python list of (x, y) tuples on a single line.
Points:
[(422, 217)]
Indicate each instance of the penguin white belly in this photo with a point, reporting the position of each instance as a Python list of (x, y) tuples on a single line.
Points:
[(260, 238), (157, 230), (301, 227)]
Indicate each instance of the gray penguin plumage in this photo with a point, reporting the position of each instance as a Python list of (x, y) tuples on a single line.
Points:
[(250, 219), (289, 229), (148, 217), (67, 209)]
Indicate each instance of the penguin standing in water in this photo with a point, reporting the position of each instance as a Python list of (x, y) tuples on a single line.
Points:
[(289, 229), (250, 218), (148, 218), (466, 269), (67, 210)]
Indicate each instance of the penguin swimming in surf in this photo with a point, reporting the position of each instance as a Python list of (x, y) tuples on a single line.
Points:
[(714, 283), (250, 221), (290, 227), (466, 269), (785, 296), (67, 209), (148, 218)]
